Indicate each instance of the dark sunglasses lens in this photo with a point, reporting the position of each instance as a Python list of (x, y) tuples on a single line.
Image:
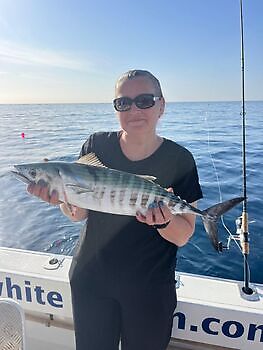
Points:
[(144, 101), (122, 104)]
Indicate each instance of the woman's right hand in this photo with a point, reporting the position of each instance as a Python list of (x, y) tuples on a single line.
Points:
[(41, 190)]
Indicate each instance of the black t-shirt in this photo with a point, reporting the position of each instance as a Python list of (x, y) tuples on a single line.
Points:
[(119, 247)]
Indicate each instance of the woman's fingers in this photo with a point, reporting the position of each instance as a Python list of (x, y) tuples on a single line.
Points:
[(37, 189), (44, 193), (54, 200), (140, 217), (161, 214), (41, 190), (157, 214)]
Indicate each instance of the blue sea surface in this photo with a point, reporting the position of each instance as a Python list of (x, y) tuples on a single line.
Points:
[(210, 130)]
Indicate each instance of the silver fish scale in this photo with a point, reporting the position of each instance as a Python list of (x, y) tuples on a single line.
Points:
[(124, 192)]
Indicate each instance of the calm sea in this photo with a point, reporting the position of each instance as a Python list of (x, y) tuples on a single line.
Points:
[(211, 131)]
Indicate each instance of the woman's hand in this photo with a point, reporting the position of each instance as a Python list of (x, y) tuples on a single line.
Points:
[(157, 213), (41, 190), (74, 213), (180, 228)]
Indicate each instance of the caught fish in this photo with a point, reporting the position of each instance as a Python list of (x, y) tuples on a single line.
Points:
[(89, 184)]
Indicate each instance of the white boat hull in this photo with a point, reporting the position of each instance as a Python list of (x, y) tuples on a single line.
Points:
[(211, 313)]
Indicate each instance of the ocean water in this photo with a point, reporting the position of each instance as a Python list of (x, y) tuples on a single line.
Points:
[(211, 131)]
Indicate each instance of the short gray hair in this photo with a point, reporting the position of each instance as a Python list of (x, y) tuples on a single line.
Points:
[(135, 73)]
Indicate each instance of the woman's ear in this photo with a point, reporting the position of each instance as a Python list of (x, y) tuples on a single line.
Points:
[(162, 106)]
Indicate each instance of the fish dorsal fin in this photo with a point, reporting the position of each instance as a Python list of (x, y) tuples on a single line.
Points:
[(148, 177), (90, 159)]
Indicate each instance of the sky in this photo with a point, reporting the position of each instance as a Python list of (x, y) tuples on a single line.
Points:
[(73, 51)]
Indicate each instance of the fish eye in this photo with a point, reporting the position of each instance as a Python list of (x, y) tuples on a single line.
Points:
[(33, 173)]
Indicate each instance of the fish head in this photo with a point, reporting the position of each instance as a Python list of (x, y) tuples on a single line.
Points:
[(34, 172)]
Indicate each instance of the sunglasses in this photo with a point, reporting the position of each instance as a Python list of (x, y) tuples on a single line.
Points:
[(143, 101)]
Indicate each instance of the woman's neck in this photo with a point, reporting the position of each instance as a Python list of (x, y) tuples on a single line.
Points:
[(139, 147)]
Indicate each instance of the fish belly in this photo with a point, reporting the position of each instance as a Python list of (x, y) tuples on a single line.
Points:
[(117, 200)]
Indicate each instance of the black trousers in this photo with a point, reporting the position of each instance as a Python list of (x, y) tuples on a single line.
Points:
[(140, 317)]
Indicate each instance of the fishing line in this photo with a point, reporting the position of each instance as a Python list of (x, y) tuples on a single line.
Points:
[(219, 185), (231, 235)]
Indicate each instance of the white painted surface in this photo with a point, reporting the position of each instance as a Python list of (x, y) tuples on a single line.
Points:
[(210, 310)]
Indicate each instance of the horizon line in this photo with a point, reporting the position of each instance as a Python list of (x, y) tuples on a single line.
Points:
[(85, 103)]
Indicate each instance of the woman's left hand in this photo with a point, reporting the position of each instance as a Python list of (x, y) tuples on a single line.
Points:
[(157, 214)]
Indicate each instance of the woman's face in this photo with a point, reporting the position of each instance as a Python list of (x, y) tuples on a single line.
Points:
[(136, 120)]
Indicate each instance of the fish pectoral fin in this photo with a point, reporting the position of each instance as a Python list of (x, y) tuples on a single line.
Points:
[(91, 159), (147, 177), (78, 189)]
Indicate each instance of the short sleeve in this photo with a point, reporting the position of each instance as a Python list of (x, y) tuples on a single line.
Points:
[(187, 185), (87, 147)]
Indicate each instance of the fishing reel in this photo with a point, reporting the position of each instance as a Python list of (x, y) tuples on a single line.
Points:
[(238, 236)]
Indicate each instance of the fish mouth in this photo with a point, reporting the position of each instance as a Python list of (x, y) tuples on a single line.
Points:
[(21, 177)]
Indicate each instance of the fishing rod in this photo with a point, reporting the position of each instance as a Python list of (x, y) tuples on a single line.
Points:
[(243, 222), (242, 234)]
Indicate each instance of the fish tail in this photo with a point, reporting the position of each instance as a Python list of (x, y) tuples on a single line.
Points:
[(212, 214)]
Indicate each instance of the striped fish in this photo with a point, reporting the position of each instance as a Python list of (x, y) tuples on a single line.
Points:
[(88, 184)]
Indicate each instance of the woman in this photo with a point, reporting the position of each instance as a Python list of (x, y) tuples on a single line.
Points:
[(122, 274)]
